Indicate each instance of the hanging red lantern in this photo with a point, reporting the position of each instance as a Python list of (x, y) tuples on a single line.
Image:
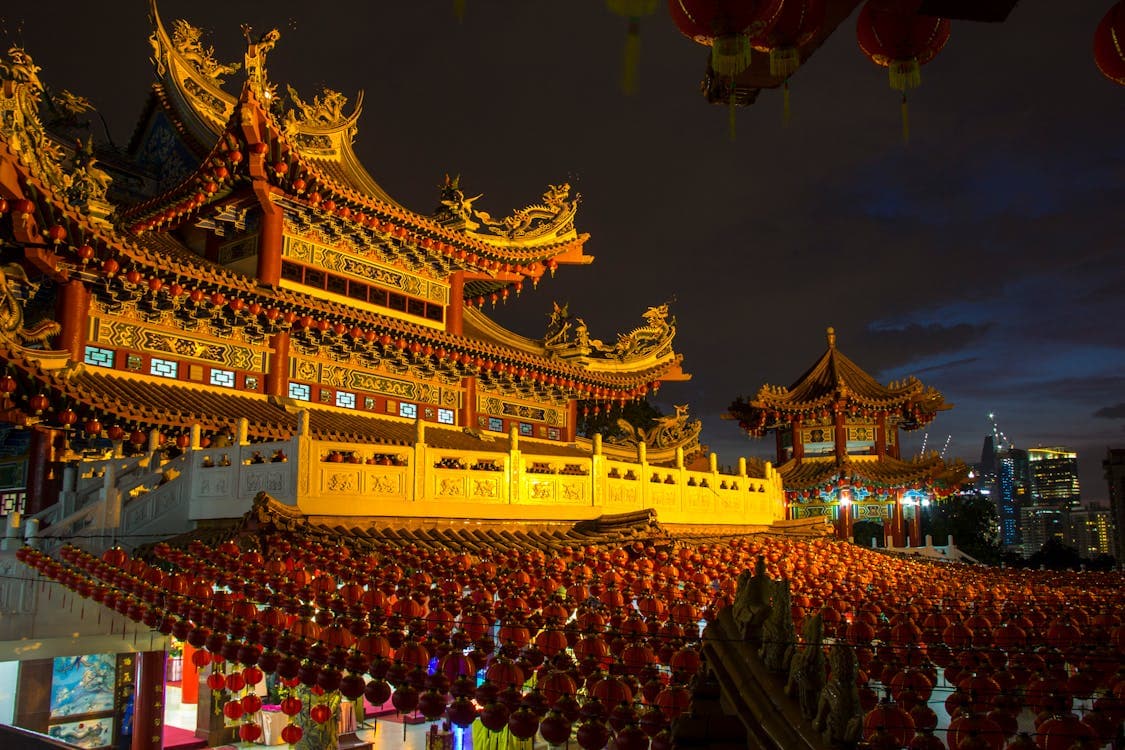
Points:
[(901, 41), (291, 733), (726, 26), (797, 23), (1109, 44)]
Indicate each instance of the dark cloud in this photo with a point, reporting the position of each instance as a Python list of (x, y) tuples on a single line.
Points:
[(1116, 411)]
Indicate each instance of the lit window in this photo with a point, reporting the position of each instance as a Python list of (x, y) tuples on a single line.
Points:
[(408, 410), (526, 429), (496, 424), (165, 368), (225, 378), (345, 400), (445, 416), (95, 355), (299, 391)]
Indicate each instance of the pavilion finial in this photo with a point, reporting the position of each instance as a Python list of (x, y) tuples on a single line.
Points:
[(831, 337)]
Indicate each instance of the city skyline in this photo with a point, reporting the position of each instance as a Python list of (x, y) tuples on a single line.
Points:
[(981, 257)]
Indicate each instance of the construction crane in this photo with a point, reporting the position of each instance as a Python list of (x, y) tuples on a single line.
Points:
[(998, 437)]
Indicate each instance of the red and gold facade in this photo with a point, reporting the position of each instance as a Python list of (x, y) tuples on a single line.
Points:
[(263, 269), (838, 448)]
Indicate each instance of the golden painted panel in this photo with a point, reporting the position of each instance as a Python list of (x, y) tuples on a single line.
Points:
[(127, 335), (322, 256)]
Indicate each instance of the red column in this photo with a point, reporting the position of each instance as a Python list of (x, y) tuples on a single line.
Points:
[(844, 527), (881, 434), (270, 236), (572, 420), (73, 312), (897, 527), (148, 706), (42, 486), (189, 683), (841, 435), (455, 313), (469, 408), (916, 525), (277, 378), (798, 444)]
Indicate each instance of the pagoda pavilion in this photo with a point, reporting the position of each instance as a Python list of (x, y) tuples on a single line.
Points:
[(838, 449), (234, 306)]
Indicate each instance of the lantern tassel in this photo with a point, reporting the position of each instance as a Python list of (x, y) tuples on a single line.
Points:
[(905, 120), (731, 115), (786, 112), (730, 55), (632, 57), (784, 61)]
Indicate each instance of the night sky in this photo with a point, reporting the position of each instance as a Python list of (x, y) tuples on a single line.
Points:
[(985, 257)]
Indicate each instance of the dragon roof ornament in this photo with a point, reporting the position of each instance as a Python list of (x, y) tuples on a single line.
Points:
[(551, 219), (568, 337), (22, 93)]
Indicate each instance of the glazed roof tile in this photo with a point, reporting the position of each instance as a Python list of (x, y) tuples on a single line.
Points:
[(883, 471)]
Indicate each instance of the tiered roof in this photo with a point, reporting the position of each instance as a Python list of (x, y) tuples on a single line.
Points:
[(835, 382)]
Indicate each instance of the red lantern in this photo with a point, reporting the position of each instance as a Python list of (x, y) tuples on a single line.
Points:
[(726, 26), (797, 23), (320, 713), (901, 41), (1109, 44), (291, 733)]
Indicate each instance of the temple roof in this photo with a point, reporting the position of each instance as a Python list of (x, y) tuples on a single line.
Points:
[(152, 402), (836, 383), (884, 472), (311, 157)]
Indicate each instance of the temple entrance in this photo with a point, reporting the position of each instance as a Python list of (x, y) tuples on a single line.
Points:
[(866, 530)]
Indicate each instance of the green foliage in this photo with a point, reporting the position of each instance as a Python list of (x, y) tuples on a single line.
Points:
[(642, 415), (316, 736), (971, 519)]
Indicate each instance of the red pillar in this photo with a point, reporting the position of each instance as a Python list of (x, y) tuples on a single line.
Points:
[(469, 407), (881, 434), (148, 706), (916, 525), (270, 236), (844, 527), (42, 485), (277, 378), (798, 443), (572, 420), (73, 315), (898, 530), (455, 313), (189, 683), (841, 434)]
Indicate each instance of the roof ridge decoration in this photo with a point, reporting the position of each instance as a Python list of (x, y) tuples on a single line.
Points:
[(181, 59), (551, 219), (81, 181), (568, 337), (15, 289)]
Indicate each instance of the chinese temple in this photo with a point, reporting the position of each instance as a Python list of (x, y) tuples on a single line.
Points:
[(234, 305), (838, 449)]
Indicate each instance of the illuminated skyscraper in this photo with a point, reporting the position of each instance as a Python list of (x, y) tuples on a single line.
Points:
[(1054, 477)]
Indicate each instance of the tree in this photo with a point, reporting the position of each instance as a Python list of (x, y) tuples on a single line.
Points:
[(641, 414), (971, 519)]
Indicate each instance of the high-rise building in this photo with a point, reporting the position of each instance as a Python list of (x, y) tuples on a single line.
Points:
[(1114, 467), (1054, 477), (1011, 492), (1091, 531)]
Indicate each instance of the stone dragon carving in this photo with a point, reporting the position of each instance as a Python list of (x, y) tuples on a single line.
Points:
[(752, 602), (778, 633), (839, 716), (807, 670), (670, 431), (21, 92), (568, 337), (553, 216)]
